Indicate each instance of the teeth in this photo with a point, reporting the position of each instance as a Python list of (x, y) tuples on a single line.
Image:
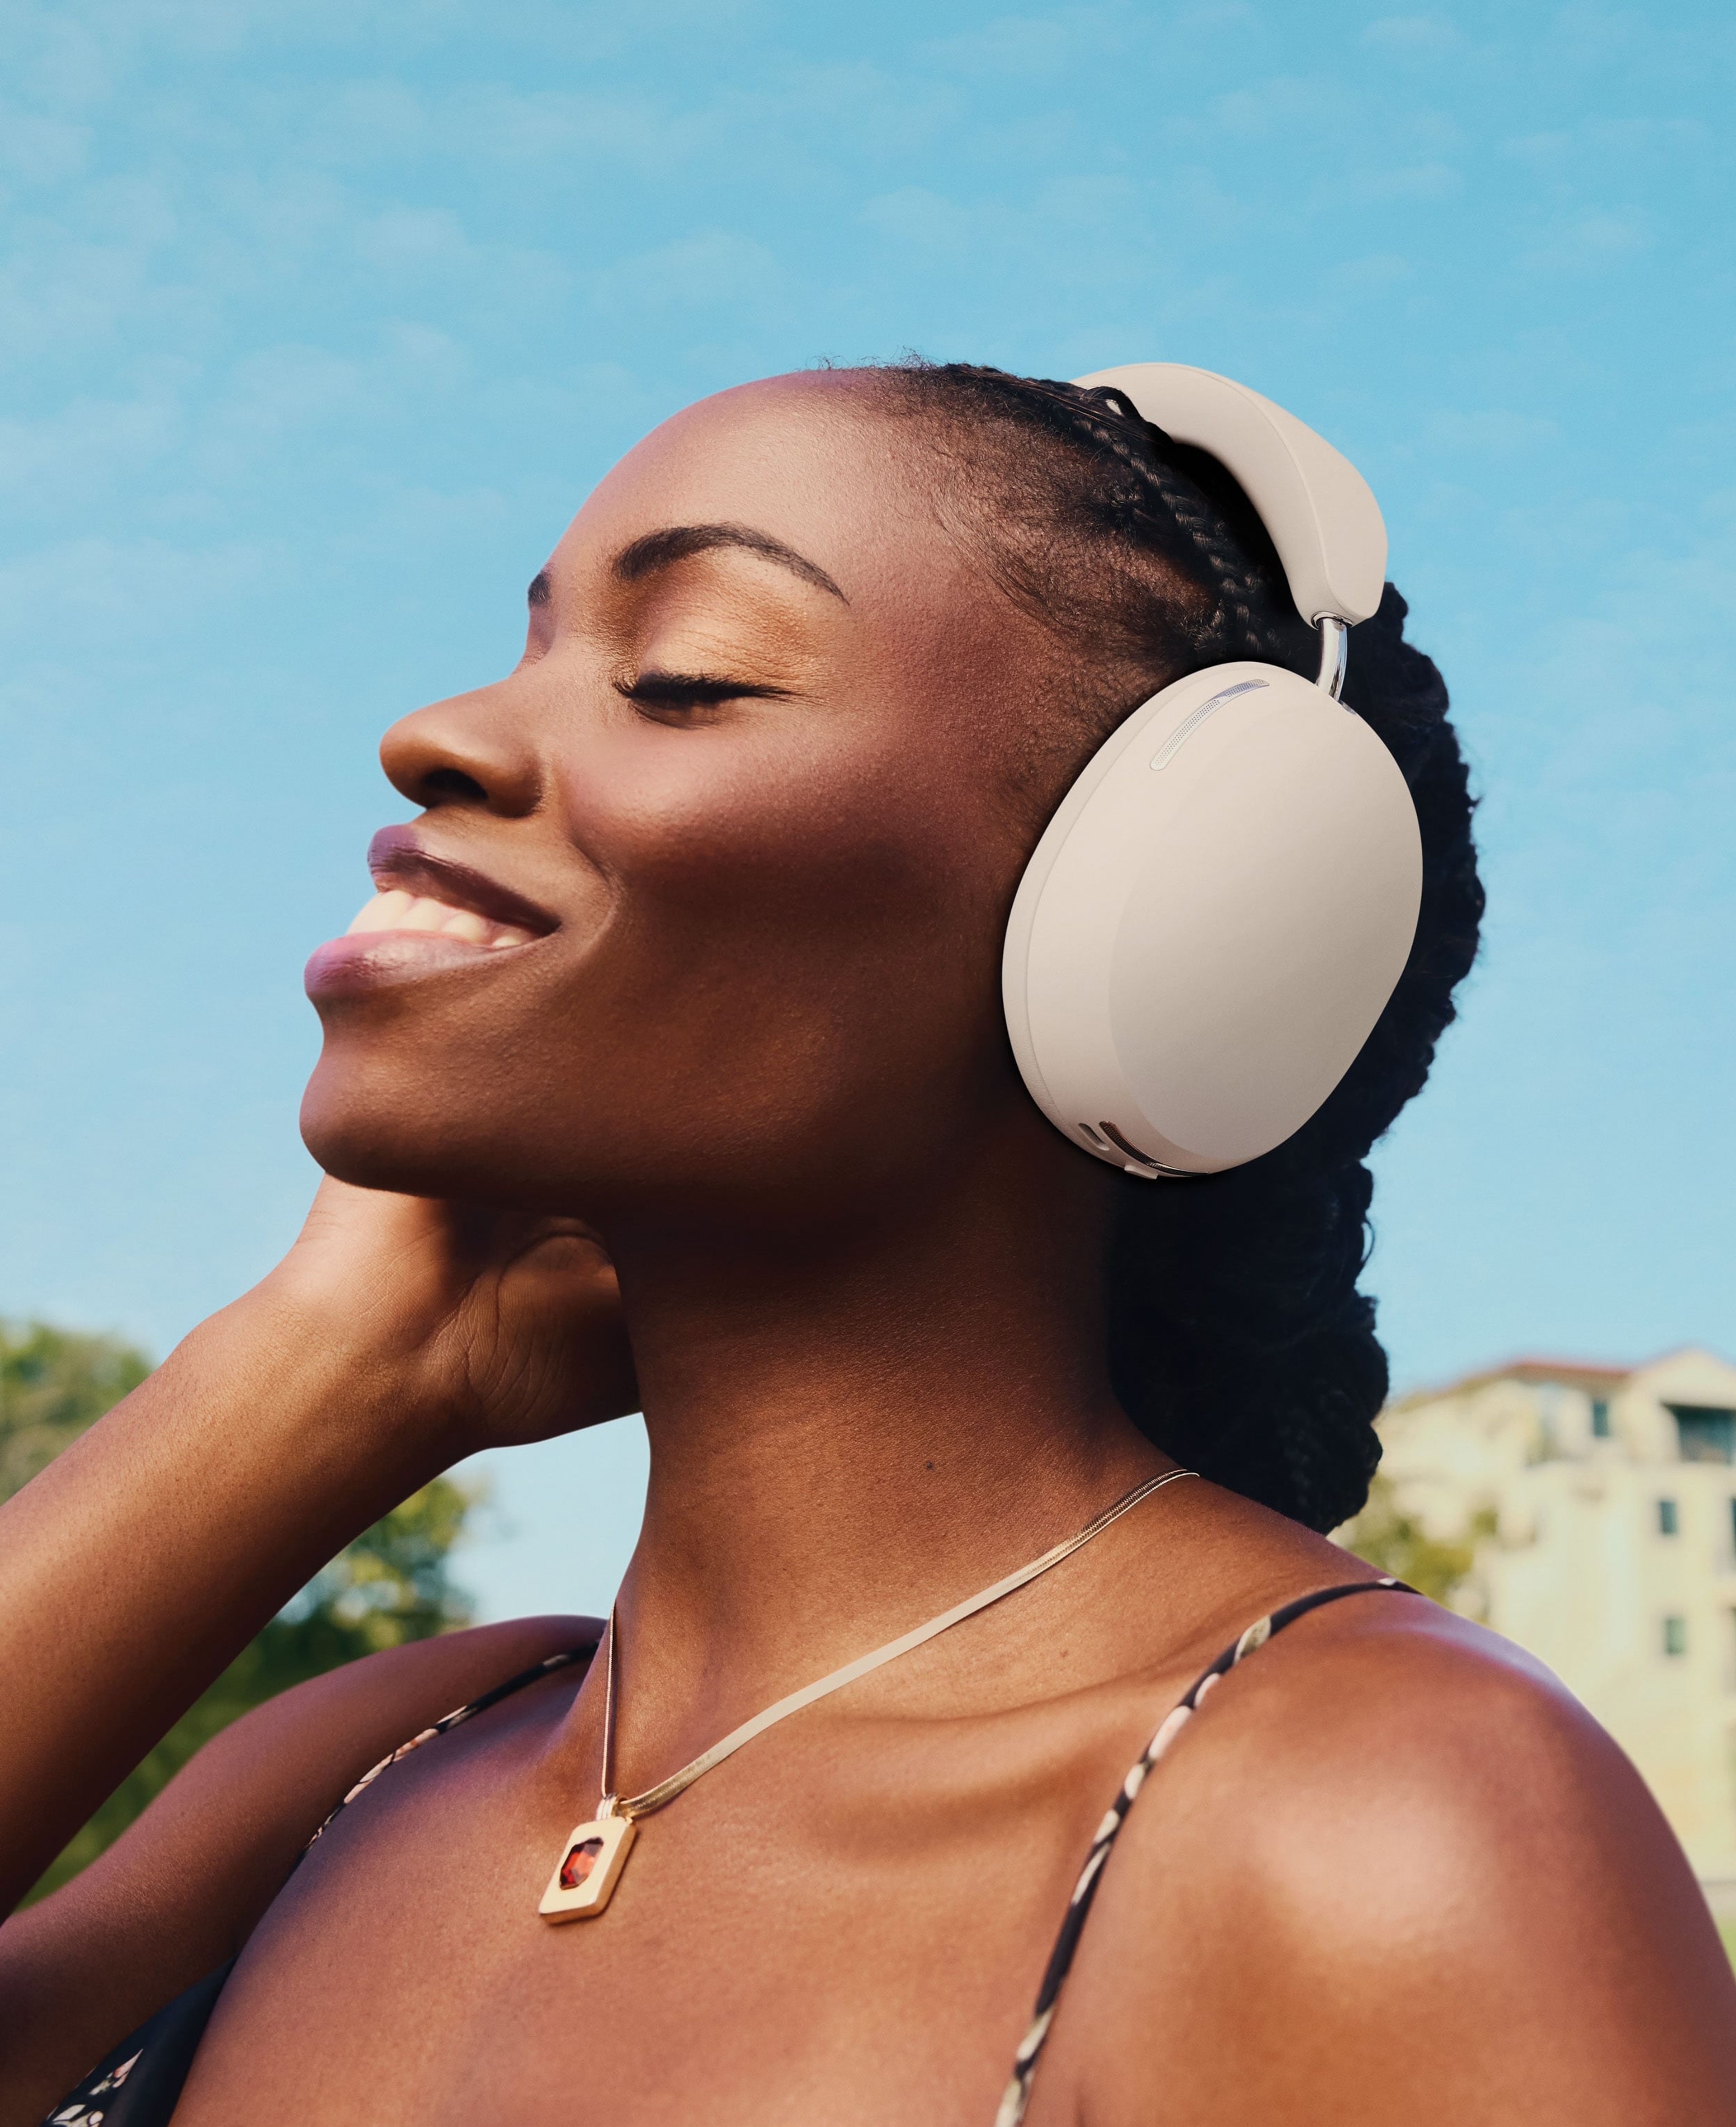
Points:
[(383, 912), (396, 910)]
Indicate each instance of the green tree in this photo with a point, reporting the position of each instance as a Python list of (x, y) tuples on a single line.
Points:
[(390, 1585), (53, 1384), (1397, 1542)]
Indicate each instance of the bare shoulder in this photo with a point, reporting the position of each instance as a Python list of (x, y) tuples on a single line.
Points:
[(1391, 1867), (180, 1891)]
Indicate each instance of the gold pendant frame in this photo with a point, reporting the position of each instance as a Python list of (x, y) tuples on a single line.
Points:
[(592, 1856)]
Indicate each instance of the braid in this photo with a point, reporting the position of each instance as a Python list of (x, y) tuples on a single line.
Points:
[(1239, 1340), (1174, 500), (1236, 620)]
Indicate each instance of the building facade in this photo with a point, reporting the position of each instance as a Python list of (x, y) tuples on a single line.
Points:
[(1614, 1556)]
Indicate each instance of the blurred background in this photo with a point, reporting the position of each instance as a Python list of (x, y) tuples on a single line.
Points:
[(321, 320)]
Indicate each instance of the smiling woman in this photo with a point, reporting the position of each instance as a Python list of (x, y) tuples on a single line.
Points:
[(669, 1069)]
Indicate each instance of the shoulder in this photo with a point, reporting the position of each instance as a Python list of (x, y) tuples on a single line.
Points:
[(181, 1890), (1412, 1855), (271, 1777), (321, 1736)]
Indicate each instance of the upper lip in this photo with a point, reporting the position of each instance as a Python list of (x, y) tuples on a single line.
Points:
[(397, 856)]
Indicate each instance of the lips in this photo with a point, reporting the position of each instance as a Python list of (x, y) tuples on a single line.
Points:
[(399, 857), (428, 912)]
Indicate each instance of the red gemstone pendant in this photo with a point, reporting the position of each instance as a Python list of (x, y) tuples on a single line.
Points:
[(580, 1863), (590, 1862)]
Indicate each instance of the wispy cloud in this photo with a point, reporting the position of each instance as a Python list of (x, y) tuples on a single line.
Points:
[(1420, 36), (1424, 184), (1490, 432), (1586, 243), (1034, 47), (713, 268), (920, 218)]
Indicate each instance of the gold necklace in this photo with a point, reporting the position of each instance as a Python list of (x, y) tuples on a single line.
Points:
[(595, 1852)]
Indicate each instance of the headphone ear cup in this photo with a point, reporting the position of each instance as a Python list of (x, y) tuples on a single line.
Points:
[(1211, 922)]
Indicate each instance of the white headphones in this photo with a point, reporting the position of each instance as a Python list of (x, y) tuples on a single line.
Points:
[(1225, 898)]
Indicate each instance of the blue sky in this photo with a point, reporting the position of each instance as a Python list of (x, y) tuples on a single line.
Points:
[(320, 320)]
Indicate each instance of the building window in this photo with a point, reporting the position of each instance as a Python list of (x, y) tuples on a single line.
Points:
[(1707, 1435), (1675, 1636), (1666, 1522), (1599, 1419)]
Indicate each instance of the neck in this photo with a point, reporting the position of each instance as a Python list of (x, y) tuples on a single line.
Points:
[(848, 1436)]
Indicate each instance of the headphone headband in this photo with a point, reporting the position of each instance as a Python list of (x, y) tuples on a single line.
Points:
[(1323, 518), (1224, 901)]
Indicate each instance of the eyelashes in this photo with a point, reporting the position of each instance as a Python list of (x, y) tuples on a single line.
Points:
[(670, 697)]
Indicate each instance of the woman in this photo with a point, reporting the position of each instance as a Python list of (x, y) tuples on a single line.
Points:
[(692, 955)]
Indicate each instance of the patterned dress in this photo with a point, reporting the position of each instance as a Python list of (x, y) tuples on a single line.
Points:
[(138, 2084)]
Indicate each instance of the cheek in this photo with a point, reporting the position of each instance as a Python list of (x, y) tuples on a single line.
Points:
[(795, 888)]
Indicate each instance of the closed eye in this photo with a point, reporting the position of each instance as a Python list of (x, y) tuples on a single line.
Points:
[(667, 696)]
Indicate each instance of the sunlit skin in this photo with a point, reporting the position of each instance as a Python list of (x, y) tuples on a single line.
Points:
[(667, 1072)]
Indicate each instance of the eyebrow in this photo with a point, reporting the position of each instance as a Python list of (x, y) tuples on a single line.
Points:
[(675, 543)]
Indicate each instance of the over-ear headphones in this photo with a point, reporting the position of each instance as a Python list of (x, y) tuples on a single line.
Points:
[(1225, 898)]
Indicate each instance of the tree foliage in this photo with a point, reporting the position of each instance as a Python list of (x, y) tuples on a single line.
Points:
[(1396, 1541), (53, 1384), (390, 1585)]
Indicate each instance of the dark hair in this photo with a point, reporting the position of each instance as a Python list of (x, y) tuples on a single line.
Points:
[(1238, 1340)]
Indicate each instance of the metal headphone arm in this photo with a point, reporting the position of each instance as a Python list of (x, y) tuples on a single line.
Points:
[(1335, 652)]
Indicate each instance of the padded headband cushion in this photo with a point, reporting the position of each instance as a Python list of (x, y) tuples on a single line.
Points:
[(1320, 514)]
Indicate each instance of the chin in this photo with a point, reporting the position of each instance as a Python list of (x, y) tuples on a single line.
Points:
[(446, 1128), (364, 1128), (354, 1143)]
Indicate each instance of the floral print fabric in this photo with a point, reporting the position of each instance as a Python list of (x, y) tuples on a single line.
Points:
[(1017, 2093), (138, 2084)]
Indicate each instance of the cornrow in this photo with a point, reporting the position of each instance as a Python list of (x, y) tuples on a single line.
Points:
[(1241, 592), (1239, 1338)]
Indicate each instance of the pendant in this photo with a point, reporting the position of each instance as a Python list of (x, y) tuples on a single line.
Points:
[(591, 1862)]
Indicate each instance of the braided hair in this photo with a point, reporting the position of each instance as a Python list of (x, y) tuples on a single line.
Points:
[(1239, 1340)]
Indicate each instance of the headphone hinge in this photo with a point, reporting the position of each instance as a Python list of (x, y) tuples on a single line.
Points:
[(1335, 653)]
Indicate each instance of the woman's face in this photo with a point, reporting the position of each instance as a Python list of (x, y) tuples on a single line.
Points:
[(737, 839)]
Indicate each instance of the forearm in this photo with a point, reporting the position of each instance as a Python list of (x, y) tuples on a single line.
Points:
[(141, 1561)]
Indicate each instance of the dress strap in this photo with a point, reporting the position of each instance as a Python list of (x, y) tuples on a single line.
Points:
[(459, 1714), (1017, 2093), (137, 2083)]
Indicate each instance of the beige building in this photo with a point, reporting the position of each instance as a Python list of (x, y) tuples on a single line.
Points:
[(1614, 1559)]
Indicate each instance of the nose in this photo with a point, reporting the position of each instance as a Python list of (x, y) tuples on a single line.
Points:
[(468, 750)]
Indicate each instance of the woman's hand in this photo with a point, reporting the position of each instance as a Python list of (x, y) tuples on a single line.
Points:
[(506, 1327), (396, 1336)]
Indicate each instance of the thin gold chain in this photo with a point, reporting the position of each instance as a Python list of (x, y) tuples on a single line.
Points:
[(665, 1791)]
